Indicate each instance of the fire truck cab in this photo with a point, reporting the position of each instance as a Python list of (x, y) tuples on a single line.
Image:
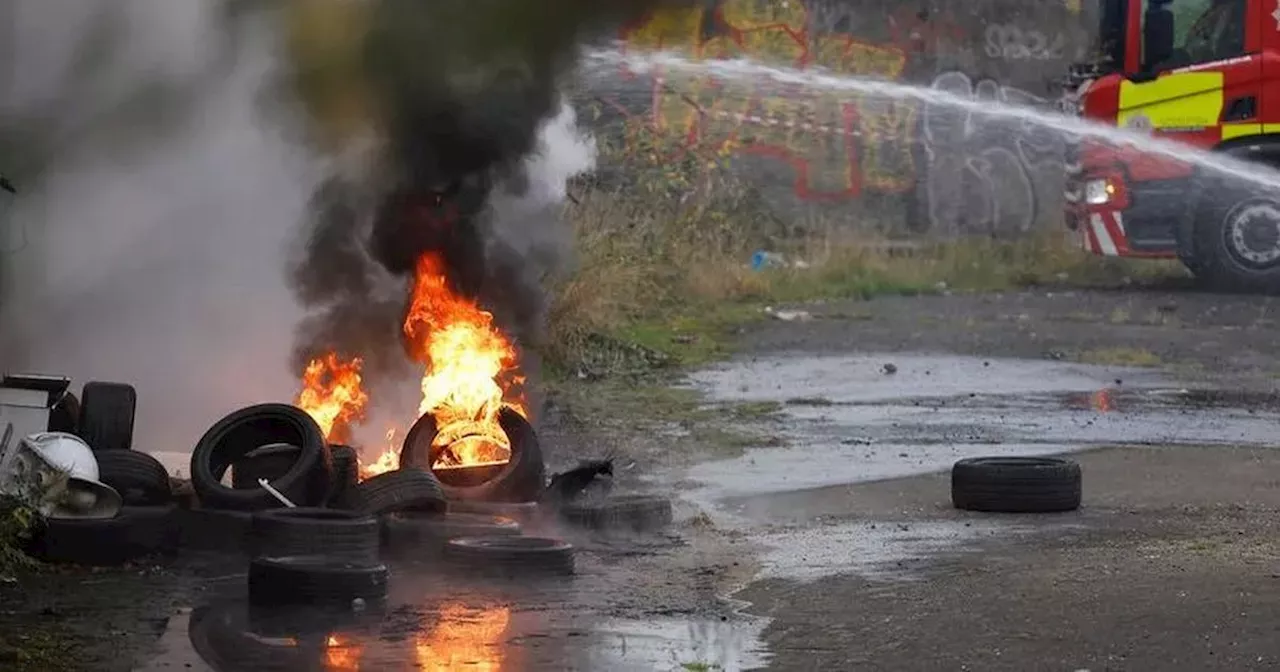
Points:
[(1204, 73)]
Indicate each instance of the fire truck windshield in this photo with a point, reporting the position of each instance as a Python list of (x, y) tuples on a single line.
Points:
[(1203, 31)]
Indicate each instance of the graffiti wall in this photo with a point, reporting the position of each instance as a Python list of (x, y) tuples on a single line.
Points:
[(937, 168)]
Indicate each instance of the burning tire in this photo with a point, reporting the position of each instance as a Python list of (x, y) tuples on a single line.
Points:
[(511, 555), (521, 479), (135, 532), (1016, 485), (341, 535), (314, 580), (241, 432), (139, 478), (106, 415), (410, 534), (630, 512), (406, 489)]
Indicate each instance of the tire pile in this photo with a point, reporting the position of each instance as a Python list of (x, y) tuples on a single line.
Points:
[(147, 524)]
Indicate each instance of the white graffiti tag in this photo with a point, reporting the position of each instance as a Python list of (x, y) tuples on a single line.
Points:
[(1012, 43), (988, 175)]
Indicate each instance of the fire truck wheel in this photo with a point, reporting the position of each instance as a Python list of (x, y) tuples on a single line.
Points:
[(139, 478), (1239, 243), (511, 555), (135, 532), (629, 512), (246, 430), (418, 534), (342, 535), (1016, 485), (407, 489), (314, 580), (106, 415)]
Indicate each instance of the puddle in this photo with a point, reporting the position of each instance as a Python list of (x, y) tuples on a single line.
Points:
[(680, 645), (845, 421), (882, 550), (861, 378)]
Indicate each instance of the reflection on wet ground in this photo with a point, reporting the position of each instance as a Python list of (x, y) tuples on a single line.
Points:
[(439, 619)]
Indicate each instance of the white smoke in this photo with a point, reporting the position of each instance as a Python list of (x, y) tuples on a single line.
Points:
[(148, 258)]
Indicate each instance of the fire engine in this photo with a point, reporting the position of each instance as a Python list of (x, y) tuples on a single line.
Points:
[(1205, 73)]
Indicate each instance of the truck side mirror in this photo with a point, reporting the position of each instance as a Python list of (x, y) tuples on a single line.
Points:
[(1157, 36)]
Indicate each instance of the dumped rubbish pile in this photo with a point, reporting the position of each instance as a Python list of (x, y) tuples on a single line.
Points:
[(266, 484)]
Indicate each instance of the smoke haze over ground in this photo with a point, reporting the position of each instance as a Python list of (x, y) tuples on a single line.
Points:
[(155, 240)]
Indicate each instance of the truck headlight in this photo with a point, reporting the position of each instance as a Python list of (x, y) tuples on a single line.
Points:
[(1098, 192)]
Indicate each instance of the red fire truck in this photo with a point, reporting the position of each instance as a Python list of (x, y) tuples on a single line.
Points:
[(1197, 72)]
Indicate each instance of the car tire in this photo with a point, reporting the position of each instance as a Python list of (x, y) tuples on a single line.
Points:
[(1016, 485), (521, 480), (139, 478), (106, 415), (414, 534), (512, 556), (135, 532), (247, 429), (342, 535), (405, 489), (626, 512), (314, 580)]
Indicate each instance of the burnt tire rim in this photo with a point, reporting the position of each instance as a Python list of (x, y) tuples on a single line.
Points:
[(1251, 234)]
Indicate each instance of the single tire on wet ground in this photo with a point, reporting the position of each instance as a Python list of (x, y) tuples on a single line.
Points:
[(106, 415), (314, 580), (406, 489), (511, 555), (1016, 485), (623, 512), (135, 532), (413, 534), (245, 430), (342, 535), (139, 478)]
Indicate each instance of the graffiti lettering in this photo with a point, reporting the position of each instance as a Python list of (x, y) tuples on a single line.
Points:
[(1012, 43), (988, 175)]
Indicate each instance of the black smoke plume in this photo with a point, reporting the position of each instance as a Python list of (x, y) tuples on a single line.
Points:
[(456, 91)]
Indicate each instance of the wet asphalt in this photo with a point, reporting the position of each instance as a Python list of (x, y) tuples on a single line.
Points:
[(833, 545)]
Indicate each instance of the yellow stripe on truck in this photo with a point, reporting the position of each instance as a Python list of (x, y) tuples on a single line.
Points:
[(1231, 131), (1179, 100)]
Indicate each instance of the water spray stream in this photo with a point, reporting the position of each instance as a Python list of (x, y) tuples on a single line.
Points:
[(742, 70)]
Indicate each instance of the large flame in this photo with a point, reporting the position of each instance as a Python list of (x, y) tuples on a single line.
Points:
[(332, 394), (471, 369)]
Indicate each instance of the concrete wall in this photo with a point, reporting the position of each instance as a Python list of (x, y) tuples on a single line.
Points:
[(899, 165)]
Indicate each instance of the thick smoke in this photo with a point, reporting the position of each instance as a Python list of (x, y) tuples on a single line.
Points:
[(467, 163), (153, 208)]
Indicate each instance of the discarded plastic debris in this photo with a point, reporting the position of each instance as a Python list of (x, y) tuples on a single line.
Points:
[(276, 493), (788, 315)]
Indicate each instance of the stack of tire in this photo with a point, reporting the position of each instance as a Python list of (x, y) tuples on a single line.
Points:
[(315, 557), (478, 527), (147, 525), (284, 446)]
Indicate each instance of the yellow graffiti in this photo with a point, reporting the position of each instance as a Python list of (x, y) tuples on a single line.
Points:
[(835, 146)]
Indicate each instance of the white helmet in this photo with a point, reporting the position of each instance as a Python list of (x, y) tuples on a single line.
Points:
[(59, 472)]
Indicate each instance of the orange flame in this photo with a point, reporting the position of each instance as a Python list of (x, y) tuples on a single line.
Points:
[(332, 394), (465, 638), (471, 369)]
